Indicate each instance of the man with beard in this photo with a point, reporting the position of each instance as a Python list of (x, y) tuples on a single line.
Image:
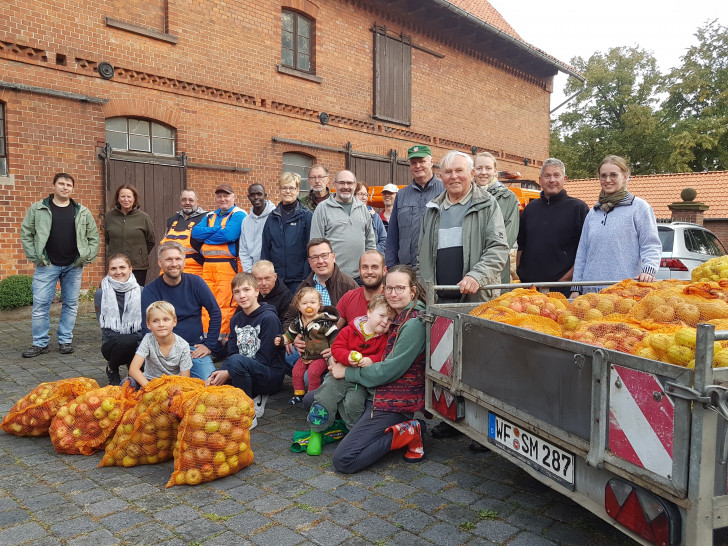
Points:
[(371, 272), (251, 233), (189, 294), (270, 289), (346, 223), (318, 179), (180, 226)]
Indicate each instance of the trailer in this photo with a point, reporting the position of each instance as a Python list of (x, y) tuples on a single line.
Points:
[(640, 443)]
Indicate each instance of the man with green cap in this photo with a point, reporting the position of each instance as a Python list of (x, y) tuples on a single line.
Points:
[(409, 208)]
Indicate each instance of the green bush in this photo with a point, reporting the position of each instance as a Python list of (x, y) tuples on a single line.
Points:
[(16, 291)]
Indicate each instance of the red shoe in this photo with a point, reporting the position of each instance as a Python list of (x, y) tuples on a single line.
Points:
[(408, 434)]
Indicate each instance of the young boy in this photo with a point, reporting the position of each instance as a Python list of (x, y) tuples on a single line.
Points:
[(254, 363), (360, 343), (161, 351)]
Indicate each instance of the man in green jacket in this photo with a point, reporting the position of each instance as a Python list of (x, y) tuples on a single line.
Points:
[(60, 237), (463, 237)]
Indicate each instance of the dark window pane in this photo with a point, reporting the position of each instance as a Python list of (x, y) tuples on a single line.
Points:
[(287, 21), (304, 62), (287, 57), (304, 27), (116, 140), (139, 143), (2, 143), (3, 166), (116, 124), (667, 237), (287, 40), (713, 244), (303, 45)]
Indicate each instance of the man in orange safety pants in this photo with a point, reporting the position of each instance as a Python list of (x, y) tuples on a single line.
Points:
[(179, 229), (220, 234)]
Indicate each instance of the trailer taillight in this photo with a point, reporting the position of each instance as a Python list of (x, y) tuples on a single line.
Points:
[(447, 404), (651, 517)]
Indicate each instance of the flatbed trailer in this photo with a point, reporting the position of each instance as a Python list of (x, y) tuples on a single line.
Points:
[(640, 443)]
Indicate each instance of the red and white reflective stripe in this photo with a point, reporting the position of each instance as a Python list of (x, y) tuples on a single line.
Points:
[(641, 426), (441, 342)]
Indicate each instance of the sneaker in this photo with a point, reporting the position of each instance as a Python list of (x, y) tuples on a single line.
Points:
[(65, 348), (295, 400), (254, 423), (35, 351), (444, 430), (113, 376), (260, 401)]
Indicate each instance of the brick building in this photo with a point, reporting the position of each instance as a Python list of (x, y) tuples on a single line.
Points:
[(167, 94), (663, 190)]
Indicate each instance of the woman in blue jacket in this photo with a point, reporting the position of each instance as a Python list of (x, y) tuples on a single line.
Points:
[(286, 234)]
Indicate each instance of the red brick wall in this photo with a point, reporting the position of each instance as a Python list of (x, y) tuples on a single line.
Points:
[(719, 229), (219, 87)]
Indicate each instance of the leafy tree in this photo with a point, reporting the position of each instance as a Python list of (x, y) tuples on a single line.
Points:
[(697, 104), (613, 114)]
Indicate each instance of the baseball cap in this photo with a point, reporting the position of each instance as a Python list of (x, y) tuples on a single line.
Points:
[(418, 151), (391, 188), (224, 188)]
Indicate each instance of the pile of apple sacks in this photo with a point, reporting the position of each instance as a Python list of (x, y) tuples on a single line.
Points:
[(651, 320), (205, 429)]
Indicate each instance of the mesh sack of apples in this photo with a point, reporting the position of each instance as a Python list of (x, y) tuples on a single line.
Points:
[(147, 431), (213, 438), (87, 423), (681, 306), (635, 290), (618, 333), (526, 300), (32, 415), (715, 269), (675, 344)]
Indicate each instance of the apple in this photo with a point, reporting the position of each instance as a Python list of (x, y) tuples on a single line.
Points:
[(231, 448), (108, 404), (212, 426), (219, 457), (225, 428), (193, 476)]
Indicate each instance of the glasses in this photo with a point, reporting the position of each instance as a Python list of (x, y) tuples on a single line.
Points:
[(323, 256), (287, 189), (318, 177), (362, 195), (610, 176), (345, 183), (396, 289)]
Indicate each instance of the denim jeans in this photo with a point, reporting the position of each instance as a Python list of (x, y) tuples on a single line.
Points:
[(202, 367), (45, 278)]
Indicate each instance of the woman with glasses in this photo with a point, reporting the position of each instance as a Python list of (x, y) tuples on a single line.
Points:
[(619, 239), (286, 234), (380, 233), (397, 383)]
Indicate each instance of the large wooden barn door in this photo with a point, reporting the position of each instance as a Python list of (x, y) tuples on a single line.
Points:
[(159, 182)]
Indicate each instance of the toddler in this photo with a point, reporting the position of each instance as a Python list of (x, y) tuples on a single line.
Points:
[(360, 343), (161, 352), (317, 326)]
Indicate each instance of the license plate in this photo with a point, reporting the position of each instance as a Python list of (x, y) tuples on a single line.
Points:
[(537, 452)]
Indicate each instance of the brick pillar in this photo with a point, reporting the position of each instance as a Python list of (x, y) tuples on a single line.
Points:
[(688, 210)]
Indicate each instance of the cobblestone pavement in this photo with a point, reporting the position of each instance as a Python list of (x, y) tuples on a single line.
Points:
[(453, 497)]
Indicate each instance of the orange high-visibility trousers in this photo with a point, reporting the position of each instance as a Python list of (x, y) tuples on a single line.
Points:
[(218, 275)]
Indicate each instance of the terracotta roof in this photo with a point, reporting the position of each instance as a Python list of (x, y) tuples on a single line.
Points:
[(660, 190), (485, 12)]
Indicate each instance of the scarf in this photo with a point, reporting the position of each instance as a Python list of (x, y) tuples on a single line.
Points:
[(608, 202), (131, 319)]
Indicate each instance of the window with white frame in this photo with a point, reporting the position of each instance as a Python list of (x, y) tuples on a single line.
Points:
[(298, 163), (140, 135)]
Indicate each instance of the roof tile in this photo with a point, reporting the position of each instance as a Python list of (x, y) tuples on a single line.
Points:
[(660, 190)]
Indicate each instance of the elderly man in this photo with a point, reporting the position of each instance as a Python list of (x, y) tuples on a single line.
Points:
[(550, 230), (59, 236), (371, 272), (179, 229), (409, 208), (220, 237), (346, 223), (463, 237), (189, 294), (270, 289), (318, 179), (251, 232)]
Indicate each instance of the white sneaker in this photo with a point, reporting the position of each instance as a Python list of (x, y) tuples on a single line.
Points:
[(254, 423), (260, 401)]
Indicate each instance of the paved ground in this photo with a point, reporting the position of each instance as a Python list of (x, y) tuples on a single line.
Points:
[(454, 497)]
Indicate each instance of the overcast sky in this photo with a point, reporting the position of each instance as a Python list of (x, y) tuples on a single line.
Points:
[(567, 28)]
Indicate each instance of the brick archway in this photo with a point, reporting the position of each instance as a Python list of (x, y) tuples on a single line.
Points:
[(303, 6), (134, 108)]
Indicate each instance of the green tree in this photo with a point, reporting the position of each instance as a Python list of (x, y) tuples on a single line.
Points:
[(613, 114), (696, 108)]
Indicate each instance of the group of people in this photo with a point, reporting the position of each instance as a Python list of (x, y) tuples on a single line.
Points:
[(322, 286)]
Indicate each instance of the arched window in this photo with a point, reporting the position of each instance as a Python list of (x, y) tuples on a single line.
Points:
[(3, 143), (140, 135), (298, 163), (297, 35)]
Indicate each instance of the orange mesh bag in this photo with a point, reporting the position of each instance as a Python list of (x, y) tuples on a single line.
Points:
[(537, 323), (527, 300), (32, 414), (715, 269), (674, 344), (598, 305), (147, 431), (213, 440), (86, 424), (709, 290), (497, 314), (687, 306), (619, 334), (635, 290)]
